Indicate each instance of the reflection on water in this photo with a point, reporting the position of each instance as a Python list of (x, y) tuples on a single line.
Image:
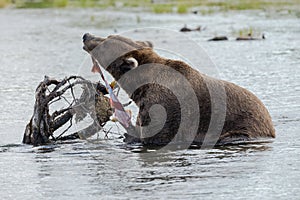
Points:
[(39, 42), (102, 169)]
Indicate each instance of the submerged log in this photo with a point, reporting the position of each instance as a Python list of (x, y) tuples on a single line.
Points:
[(218, 38), (43, 124), (250, 37), (186, 29)]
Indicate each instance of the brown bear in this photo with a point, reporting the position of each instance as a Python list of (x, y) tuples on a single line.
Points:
[(178, 104)]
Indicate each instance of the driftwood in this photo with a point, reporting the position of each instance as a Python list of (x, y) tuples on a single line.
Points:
[(43, 124), (186, 29), (218, 38)]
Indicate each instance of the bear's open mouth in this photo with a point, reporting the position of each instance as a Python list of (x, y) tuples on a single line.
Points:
[(85, 48)]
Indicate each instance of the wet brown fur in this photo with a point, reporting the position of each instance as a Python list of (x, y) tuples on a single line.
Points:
[(246, 116)]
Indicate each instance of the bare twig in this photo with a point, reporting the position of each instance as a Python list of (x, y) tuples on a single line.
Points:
[(107, 132), (58, 137), (72, 92)]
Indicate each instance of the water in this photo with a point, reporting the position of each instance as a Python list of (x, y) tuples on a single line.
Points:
[(35, 43)]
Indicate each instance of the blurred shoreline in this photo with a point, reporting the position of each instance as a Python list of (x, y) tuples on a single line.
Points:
[(162, 6)]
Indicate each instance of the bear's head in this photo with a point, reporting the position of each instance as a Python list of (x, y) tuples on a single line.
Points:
[(117, 54)]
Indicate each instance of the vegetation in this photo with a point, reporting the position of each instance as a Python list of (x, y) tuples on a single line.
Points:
[(4, 3), (245, 32), (182, 9), (40, 3), (161, 6)]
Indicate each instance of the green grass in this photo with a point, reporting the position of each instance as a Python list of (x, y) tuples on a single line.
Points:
[(41, 3), (60, 3), (181, 9), (4, 3), (166, 6), (162, 8)]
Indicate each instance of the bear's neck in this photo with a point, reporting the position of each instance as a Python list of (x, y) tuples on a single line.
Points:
[(146, 56)]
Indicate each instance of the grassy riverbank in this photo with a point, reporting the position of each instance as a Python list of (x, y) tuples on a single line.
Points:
[(160, 6)]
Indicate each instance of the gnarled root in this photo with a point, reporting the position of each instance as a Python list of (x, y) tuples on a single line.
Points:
[(43, 124)]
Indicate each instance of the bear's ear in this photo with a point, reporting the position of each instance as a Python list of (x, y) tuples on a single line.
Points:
[(132, 62), (145, 43)]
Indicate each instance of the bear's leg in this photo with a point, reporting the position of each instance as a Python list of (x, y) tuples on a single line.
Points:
[(132, 136), (231, 137), (130, 139)]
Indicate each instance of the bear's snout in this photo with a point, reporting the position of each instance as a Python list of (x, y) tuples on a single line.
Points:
[(90, 41), (87, 37)]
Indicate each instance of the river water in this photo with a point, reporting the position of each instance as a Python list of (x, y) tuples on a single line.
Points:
[(35, 43)]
